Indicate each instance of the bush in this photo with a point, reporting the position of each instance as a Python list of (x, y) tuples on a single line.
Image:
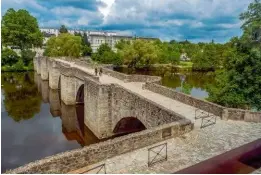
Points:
[(8, 57), (27, 56), (19, 66)]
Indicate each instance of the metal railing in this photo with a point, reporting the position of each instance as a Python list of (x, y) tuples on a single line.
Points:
[(157, 154), (101, 169), (207, 119)]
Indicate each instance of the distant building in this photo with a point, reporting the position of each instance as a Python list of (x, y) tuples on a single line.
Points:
[(111, 38), (96, 38)]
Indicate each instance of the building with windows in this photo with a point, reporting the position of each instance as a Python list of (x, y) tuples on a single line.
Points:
[(95, 38)]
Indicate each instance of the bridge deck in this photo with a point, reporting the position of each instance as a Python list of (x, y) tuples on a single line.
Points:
[(171, 104)]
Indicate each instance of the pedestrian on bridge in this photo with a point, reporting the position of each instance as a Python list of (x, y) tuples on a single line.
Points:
[(96, 71), (100, 72)]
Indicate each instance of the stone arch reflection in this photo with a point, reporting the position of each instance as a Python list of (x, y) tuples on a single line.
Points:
[(71, 128)]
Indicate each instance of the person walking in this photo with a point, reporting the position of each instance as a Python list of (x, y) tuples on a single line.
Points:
[(100, 72), (96, 71)]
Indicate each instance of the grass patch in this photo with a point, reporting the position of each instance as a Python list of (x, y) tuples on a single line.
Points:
[(185, 64)]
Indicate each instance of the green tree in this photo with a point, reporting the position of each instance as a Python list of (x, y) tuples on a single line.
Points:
[(27, 56), (20, 29), (105, 55), (8, 57), (140, 53), (239, 84), (63, 29), (64, 44)]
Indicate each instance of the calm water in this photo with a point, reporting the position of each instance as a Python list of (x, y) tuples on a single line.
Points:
[(193, 83), (34, 122)]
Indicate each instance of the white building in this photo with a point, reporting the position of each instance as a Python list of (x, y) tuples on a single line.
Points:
[(96, 38)]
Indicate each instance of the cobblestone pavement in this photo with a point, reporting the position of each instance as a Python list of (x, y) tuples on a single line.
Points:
[(189, 149), (136, 87)]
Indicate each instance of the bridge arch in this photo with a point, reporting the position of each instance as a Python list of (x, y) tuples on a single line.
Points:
[(80, 108), (128, 125)]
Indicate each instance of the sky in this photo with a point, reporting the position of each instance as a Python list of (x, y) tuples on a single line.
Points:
[(194, 20)]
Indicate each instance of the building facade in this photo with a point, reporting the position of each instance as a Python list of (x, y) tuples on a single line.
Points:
[(95, 38)]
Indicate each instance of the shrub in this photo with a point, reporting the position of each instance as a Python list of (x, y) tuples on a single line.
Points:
[(8, 57), (27, 56)]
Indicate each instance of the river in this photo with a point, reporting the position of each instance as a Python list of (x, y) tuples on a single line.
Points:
[(36, 124)]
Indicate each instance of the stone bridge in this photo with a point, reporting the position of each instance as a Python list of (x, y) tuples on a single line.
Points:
[(115, 100), (109, 102)]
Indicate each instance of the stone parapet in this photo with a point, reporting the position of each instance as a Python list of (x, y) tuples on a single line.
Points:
[(78, 158), (218, 110)]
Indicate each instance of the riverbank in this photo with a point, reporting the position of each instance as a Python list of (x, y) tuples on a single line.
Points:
[(15, 69)]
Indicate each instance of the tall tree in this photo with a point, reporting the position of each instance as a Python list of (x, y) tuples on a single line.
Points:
[(239, 85), (20, 29), (63, 29), (64, 44)]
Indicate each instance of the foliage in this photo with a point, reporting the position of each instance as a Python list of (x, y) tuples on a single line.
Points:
[(105, 55), (63, 45), (20, 29), (86, 49), (22, 99), (239, 84), (140, 53), (8, 57), (27, 56), (63, 29)]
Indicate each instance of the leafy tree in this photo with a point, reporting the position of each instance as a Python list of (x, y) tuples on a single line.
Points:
[(8, 57), (20, 29), (105, 55), (239, 84), (63, 29), (27, 56), (140, 53), (86, 47), (64, 44)]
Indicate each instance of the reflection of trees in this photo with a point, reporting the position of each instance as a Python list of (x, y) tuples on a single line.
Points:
[(22, 99)]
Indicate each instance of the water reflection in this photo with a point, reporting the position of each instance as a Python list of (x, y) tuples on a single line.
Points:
[(35, 123), (21, 98), (189, 82)]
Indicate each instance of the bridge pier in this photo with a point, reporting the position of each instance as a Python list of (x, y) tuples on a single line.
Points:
[(97, 108), (44, 68), (54, 75), (68, 117), (55, 103), (68, 94), (45, 91), (38, 65)]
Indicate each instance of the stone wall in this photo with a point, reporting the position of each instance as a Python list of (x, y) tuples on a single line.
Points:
[(129, 104), (78, 158), (131, 78), (115, 74), (223, 112), (240, 114), (44, 68), (54, 74), (184, 98)]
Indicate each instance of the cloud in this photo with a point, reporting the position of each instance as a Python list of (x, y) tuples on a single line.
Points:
[(196, 20)]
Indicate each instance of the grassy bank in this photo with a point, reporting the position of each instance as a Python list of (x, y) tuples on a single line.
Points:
[(15, 69)]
